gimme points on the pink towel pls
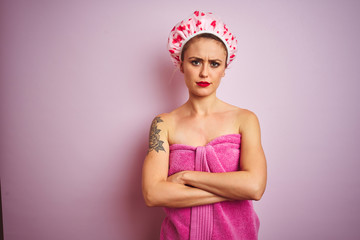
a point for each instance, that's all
(225, 220)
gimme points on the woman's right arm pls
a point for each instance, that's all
(157, 191)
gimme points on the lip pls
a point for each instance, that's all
(203, 84)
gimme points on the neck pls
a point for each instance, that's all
(202, 106)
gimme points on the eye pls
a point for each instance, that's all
(214, 64)
(195, 62)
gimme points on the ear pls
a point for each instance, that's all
(181, 67)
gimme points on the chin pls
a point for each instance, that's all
(202, 93)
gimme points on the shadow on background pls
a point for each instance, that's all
(170, 93)
(147, 219)
(171, 87)
(1, 220)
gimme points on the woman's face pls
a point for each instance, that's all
(203, 66)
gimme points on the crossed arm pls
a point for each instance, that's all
(193, 188)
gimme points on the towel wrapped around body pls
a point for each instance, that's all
(224, 220)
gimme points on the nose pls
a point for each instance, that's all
(204, 72)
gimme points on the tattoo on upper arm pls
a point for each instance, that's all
(154, 139)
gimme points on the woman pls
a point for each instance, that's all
(196, 167)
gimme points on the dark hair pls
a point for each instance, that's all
(203, 35)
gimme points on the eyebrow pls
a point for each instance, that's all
(197, 58)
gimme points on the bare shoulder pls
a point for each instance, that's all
(174, 116)
(247, 119)
(161, 118)
(246, 114)
(241, 114)
(168, 118)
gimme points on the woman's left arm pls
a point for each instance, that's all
(247, 184)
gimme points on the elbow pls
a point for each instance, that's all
(148, 202)
(149, 199)
(154, 194)
(257, 192)
(152, 198)
(257, 196)
(251, 192)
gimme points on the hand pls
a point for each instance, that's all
(177, 178)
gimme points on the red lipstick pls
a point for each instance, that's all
(203, 84)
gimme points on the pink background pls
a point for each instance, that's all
(82, 80)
